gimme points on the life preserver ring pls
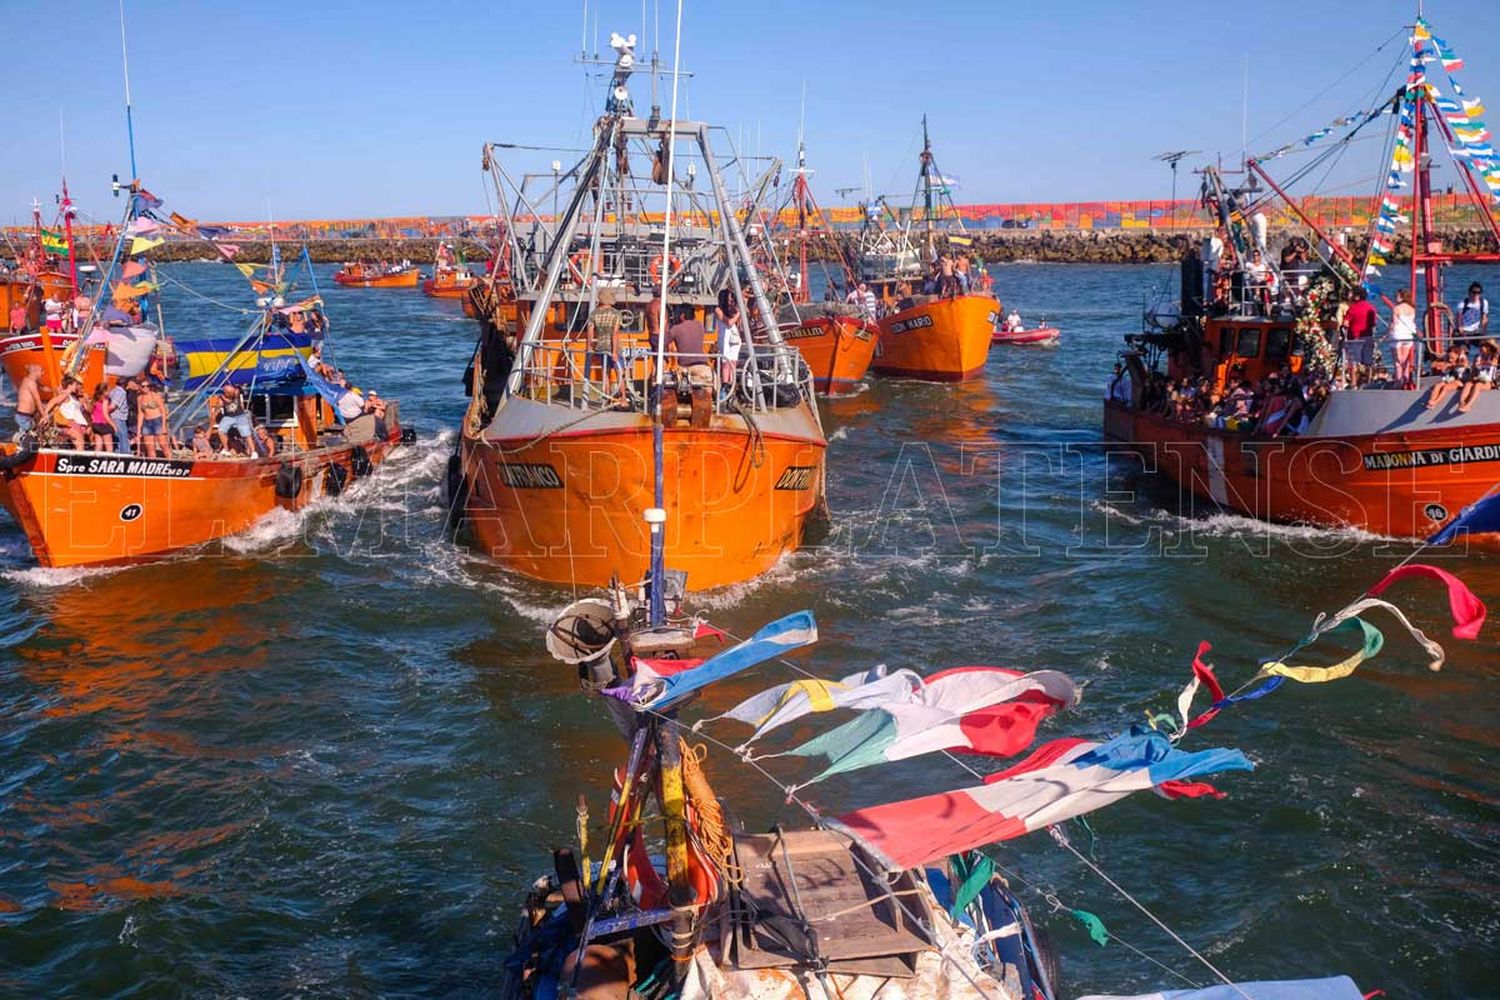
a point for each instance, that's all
(674, 268)
(642, 880)
(649, 889)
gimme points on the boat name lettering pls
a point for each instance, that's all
(797, 477)
(71, 465)
(1456, 455)
(530, 476)
(915, 323)
(803, 332)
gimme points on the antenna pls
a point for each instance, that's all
(1244, 109)
(1171, 159)
(802, 130)
(129, 118)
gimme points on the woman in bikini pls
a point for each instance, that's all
(151, 422)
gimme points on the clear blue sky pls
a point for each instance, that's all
(340, 109)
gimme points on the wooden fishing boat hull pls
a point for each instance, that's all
(400, 279)
(940, 340)
(98, 509)
(440, 288)
(568, 509)
(1405, 484)
(1042, 335)
(838, 349)
(18, 350)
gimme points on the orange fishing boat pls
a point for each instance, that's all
(177, 489)
(1299, 434)
(937, 323)
(937, 339)
(451, 278)
(365, 275)
(31, 336)
(836, 339)
(569, 466)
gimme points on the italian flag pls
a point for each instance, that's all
(1061, 780)
(982, 710)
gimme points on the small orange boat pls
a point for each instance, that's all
(1241, 398)
(837, 343)
(364, 275)
(568, 468)
(837, 340)
(937, 339)
(449, 283)
(34, 344)
(451, 278)
(941, 337)
(25, 292)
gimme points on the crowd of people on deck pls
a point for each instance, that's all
(1284, 402)
(129, 417)
(686, 343)
(949, 276)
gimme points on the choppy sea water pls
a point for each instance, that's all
(327, 758)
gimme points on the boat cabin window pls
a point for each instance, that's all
(1248, 345)
(1278, 345)
(275, 410)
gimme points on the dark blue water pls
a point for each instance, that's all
(327, 759)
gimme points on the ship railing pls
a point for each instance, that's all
(1424, 352)
(568, 373)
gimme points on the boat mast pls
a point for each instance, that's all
(799, 191)
(129, 117)
(927, 188)
(656, 517)
(67, 208)
(1423, 241)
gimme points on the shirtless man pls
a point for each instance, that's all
(28, 399)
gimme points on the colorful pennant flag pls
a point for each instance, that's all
(1372, 638)
(132, 269)
(1467, 610)
(648, 690)
(1061, 780)
(141, 244)
(981, 710)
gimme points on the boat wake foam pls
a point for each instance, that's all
(1226, 525)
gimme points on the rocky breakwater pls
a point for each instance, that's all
(1060, 246)
(1135, 246)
